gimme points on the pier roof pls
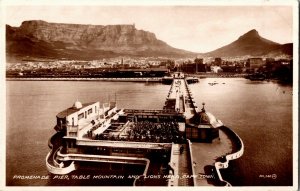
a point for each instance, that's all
(72, 110)
(205, 119)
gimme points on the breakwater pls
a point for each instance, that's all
(217, 75)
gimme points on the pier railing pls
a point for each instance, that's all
(58, 170)
(192, 161)
(123, 144)
(108, 159)
(173, 180)
(190, 95)
(152, 111)
(232, 156)
(145, 170)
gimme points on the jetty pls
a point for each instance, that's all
(192, 145)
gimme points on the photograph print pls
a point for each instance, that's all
(168, 95)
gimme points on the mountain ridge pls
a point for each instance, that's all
(251, 43)
(93, 41)
(41, 39)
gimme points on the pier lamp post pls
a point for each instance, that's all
(203, 109)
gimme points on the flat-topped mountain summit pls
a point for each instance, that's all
(40, 38)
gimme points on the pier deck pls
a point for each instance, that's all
(185, 169)
(206, 154)
(132, 136)
(182, 166)
(184, 102)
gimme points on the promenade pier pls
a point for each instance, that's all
(202, 160)
(188, 141)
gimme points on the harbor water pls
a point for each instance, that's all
(259, 112)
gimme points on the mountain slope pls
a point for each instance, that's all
(251, 43)
(76, 41)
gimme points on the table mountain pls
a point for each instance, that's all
(76, 41)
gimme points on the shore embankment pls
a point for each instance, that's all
(88, 79)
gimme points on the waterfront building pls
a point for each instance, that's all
(216, 69)
(253, 64)
(76, 115)
(218, 61)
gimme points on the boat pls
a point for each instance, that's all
(167, 80)
(191, 80)
(212, 83)
(256, 77)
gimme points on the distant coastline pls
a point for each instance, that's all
(149, 79)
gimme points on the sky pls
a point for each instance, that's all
(194, 28)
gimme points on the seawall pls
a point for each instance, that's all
(89, 79)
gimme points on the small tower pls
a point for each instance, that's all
(77, 105)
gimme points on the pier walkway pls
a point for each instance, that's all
(180, 98)
(182, 174)
(181, 101)
(200, 171)
(185, 169)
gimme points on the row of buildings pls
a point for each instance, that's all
(123, 62)
(250, 65)
(198, 65)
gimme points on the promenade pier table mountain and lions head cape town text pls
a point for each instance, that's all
(110, 98)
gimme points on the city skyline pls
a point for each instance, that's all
(194, 28)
